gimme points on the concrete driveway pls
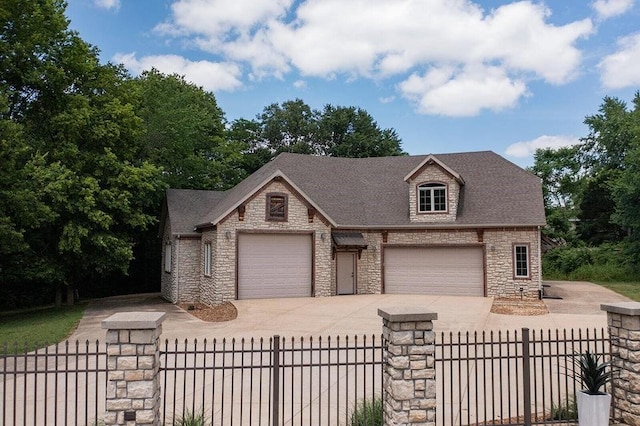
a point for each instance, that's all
(355, 315)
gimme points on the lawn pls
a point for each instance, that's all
(630, 289)
(37, 327)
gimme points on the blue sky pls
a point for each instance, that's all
(448, 75)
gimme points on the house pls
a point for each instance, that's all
(445, 224)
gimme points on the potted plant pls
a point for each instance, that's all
(593, 404)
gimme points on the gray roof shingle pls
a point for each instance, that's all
(371, 192)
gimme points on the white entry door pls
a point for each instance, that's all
(346, 273)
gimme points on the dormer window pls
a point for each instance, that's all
(432, 198)
(277, 207)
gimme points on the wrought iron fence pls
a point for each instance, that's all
(270, 382)
(60, 384)
(509, 378)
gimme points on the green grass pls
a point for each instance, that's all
(631, 289)
(31, 327)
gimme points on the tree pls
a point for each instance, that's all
(185, 134)
(294, 127)
(352, 132)
(78, 146)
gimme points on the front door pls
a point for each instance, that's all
(346, 273)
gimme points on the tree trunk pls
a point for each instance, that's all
(58, 300)
(70, 296)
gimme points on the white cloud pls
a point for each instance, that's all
(610, 8)
(622, 68)
(452, 92)
(387, 99)
(379, 39)
(528, 148)
(212, 76)
(300, 84)
(108, 4)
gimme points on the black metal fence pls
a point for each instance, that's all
(511, 378)
(270, 382)
(61, 384)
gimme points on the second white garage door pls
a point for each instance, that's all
(455, 271)
(274, 265)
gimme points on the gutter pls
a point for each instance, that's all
(452, 225)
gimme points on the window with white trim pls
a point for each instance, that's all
(167, 257)
(207, 259)
(432, 197)
(521, 260)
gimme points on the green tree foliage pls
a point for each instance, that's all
(75, 151)
(352, 132)
(185, 134)
(294, 127)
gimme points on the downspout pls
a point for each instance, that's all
(540, 287)
(177, 269)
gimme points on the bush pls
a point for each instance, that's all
(608, 262)
(368, 412)
(565, 410)
(191, 419)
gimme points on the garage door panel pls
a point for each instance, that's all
(274, 265)
(434, 270)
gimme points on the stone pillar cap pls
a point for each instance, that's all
(623, 308)
(406, 313)
(134, 320)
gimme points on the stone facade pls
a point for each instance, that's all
(624, 331)
(223, 279)
(133, 363)
(409, 375)
(434, 174)
(220, 285)
(498, 248)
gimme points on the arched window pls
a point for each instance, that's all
(432, 197)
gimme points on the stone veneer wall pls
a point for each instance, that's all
(498, 248)
(224, 266)
(182, 284)
(434, 173)
(624, 331)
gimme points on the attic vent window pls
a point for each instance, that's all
(432, 198)
(277, 207)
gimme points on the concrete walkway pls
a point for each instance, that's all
(355, 315)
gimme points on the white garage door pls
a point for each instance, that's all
(274, 265)
(434, 270)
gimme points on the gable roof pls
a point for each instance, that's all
(433, 160)
(373, 193)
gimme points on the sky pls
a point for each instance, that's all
(447, 75)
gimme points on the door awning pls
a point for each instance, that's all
(349, 240)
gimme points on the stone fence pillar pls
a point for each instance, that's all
(133, 388)
(409, 378)
(624, 331)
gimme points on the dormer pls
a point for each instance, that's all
(434, 192)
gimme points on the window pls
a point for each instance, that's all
(207, 259)
(277, 207)
(167, 257)
(432, 197)
(521, 260)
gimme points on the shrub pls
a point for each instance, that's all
(191, 419)
(565, 410)
(368, 412)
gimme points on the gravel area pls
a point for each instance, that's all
(223, 312)
(517, 306)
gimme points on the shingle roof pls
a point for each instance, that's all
(371, 192)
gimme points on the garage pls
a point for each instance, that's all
(274, 265)
(457, 271)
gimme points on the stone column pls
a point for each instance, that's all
(409, 377)
(624, 331)
(133, 387)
